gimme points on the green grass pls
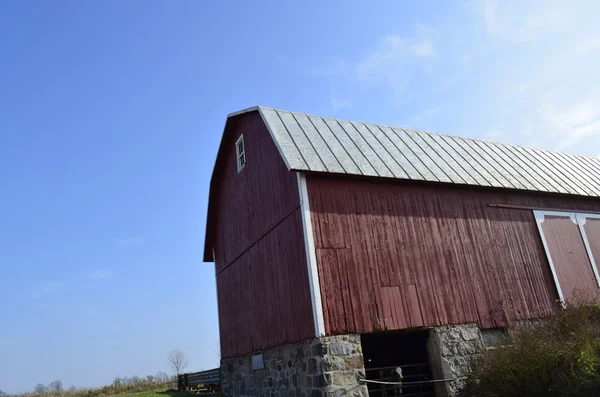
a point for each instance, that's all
(155, 393)
(162, 393)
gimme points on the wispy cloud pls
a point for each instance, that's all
(100, 274)
(576, 122)
(516, 71)
(423, 49)
(124, 242)
(524, 21)
(338, 103)
(394, 61)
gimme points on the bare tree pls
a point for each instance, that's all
(136, 380)
(178, 361)
(40, 388)
(150, 378)
(55, 386)
(72, 389)
(3, 394)
(161, 377)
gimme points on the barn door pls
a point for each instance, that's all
(570, 252)
(590, 230)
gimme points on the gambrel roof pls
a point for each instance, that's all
(321, 144)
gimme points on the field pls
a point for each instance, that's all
(162, 393)
(155, 393)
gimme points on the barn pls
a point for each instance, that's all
(354, 259)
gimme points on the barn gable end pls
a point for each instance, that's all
(255, 228)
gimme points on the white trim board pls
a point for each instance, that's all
(311, 257)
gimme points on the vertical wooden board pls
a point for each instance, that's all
(345, 291)
(416, 316)
(458, 270)
(359, 273)
(355, 288)
(331, 310)
(388, 315)
(475, 274)
(339, 285)
(399, 311)
(517, 277)
(301, 302)
(496, 275)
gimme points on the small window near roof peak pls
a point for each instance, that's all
(240, 152)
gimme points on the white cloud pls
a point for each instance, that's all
(424, 49)
(379, 63)
(516, 71)
(524, 21)
(489, 11)
(128, 241)
(100, 274)
(338, 104)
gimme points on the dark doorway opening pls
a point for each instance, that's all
(397, 357)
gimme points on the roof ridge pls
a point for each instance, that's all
(411, 129)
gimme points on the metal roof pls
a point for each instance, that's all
(321, 144)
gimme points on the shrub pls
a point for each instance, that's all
(559, 356)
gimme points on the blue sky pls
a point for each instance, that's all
(111, 113)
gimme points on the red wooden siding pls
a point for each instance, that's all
(569, 256)
(408, 255)
(260, 259)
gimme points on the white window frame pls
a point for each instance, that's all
(240, 154)
(577, 218)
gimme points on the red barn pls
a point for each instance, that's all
(347, 252)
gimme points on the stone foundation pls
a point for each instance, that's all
(323, 367)
(451, 351)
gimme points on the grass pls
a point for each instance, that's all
(162, 393)
(155, 393)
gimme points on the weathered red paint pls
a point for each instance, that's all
(391, 254)
(408, 255)
(569, 257)
(262, 277)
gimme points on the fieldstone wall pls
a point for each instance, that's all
(323, 367)
(452, 349)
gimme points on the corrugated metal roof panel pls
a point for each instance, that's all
(312, 143)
